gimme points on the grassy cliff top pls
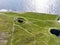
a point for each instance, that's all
(28, 28)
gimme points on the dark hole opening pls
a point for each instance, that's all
(20, 20)
(58, 18)
(55, 32)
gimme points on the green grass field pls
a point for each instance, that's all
(35, 29)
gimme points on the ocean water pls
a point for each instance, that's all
(41, 6)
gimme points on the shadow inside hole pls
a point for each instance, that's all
(55, 32)
(20, 20)
(58, 18)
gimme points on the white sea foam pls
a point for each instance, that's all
(59, 21)
(4, 10)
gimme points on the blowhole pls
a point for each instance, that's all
(55, 32)
(58, 18)
(20, 20)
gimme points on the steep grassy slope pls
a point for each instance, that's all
(34, 30)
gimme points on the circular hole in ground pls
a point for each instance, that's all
(55, 32)
(58, 18)
(20, 20)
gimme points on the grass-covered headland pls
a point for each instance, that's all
(28, 28)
